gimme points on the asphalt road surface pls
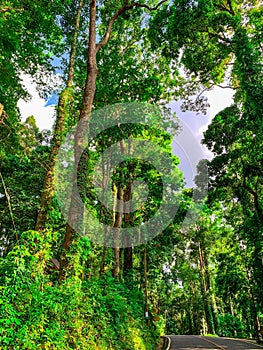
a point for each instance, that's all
(192, 342)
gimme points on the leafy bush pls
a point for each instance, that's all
(230, 326)
(38, 313)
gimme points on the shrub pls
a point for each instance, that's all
(38, 313)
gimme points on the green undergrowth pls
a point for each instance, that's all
(38, 313)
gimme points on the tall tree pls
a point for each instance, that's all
(62, 119)
(88, 97)
(222, 45)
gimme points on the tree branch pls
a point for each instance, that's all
(2, 123)
(227, 87)
(211, 86)
(1, 111)
(137, 4)
(256, 201)
(6, 9)
(231, 7)
(216, 35)
(135, 38)
(204, 90)
(9, 204)
(223, 8)
(123, 9)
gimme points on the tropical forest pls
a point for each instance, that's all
(104, 243)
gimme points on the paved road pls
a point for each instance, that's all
(192, 342)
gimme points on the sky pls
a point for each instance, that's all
(187, 145)
(43, 113)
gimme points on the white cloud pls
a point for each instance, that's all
(36, 106)
(219, 99)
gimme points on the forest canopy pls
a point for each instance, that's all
(102, 244)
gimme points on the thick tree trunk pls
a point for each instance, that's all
(49, 183)
(104, 251)
(64, 99)
(196, 322)
(117, 226)
(253, 309)
(128, 251)
(146, 286)
(230, 303)
(105, 184)
(9, 205)
(119, 218)
(211, 297)
(75, 215)
(128, 261)
(205, 292)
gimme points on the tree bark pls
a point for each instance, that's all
(205, 293)
(65, 98)
(128, 251)
(75, 215)
(253, 308)
(146, 286)
(117, 226)
(118, 218)
(9, 205)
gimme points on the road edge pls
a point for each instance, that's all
(167, 342)
(250, 341)
(240, 339)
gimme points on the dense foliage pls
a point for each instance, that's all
(79, 314)
(59, 289)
